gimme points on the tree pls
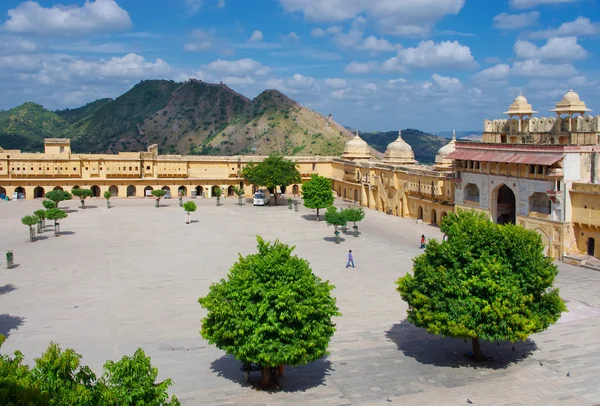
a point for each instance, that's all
(158, 194)
(82, 194)
(59, 378)
(240, 194)
(189, 207)
(317, 193)
(41, 215)
(335, 218)
(30, 221)
(217, 192)
(56, 214)
(271, 310)
(107, 196)
(354, 215)
(273, 171)
(49, 204)
(488, 282)
(58, 196)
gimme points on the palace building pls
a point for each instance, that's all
(541, 173)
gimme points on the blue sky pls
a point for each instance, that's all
(433, 65)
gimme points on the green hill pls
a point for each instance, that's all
(425, 146)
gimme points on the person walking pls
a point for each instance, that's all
(422, 241)
(350, 259)
(445, 237)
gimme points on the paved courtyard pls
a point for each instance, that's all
(130, 277)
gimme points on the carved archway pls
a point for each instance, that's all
(504, 205)
(95, 191)
(131, 191)
(114, 191)
(38, 192)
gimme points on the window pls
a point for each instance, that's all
(540, 170)
(532, 169)
(18, 169)
(86, 168)
(31, 168)
(74, 169)
(314, 167)
(130, 168)
(148, 168)
(47, 168)
(100, 168)
(558, 185)
(136, 168)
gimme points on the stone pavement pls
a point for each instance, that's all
(130, 277)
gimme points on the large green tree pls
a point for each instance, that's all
(317, 193)
(82, 194)
(271, 310)
(272, 172)
(487, 281)
(58, 196)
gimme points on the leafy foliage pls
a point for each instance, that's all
(354, 215)
(159, 193)
(55, 214)
(335, 218)
(107, 195)
(58, 196)
(217, 192)
(82, 194)
(30, 220)
(239, 191)
(271, 310)
(48, 204)
(317, 193)
(272, 172)
(189, 207)
(40, 214)
(58, 378)
(487, 281)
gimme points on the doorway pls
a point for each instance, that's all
(506, 212)
(433, 217)
(131, 191)
(96, 191)
(38, 192)
(420, 213)
(591, 246)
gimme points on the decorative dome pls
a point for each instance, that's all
(520, 107)
(441, 160)
(571, 103)
(399, 152)
(357, 148)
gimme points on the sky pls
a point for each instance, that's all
(376, 65)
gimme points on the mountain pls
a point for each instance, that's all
(193, 118)
(425, 146)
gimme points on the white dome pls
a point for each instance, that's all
(520, 99)
(442, 162)
(520, 107)
(571, 103)
(357, 148)
(571, 96)
(399, 152)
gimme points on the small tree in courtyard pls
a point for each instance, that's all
(58, 196)
(158, 194)
(240, 194)
(354, 215)
(272, 172)
(317, 193)
(271, 310)
(217, 192)
(189, 207)
(41, 215)
(107, 196)
(488, 282)
(82, 194)
(30, 221)
(49, 204)
(335, 218)
(56, 214)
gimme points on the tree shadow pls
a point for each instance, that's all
(7, 288)
(90, 207)
(194, 221)
(351, 232)
(9, 323)
(440, 351)
(67, 233)
(70, 210)
(332, 239)
(312, 217)
(294, 379)
(40, 237)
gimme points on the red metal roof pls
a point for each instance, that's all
(515, 158)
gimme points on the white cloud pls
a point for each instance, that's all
(535, 68)
(399, 17)
(296, 84)
(495, 73)
(534, 3)
(13, 45)
(428, 54)
(292, 36)
(345, 94)
(359, 67)
(335, 83)
(129, 66)
(556, 49)
(493, 59)
(373, 44)
(447, 83)
(317, 32)
(203, 41)
(256, 36)
(370, 87)
(240, 67)
(581, 27)
(93, 17)
(505, 21)
(86, 46)
(238, 81)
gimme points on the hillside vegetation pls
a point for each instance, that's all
(193, 118)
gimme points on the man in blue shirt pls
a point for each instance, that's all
(350, 259)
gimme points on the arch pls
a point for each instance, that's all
(505, 212)
(182, 191)
(58, 188)
(344, 195)
(114, 191)
(295, 190)
(75, 187)
(38, 192)
(230, 191)
(545, 240)
(540, 203)
(21, 194)
(2, 192)
(433, 216)
(148, 190)
(356, 195)
(165, 188)
(282, 189)
(213, 189)
(96, 191)
(420, 213)
(199, 191)
(131, 191)
(591, 246)
(471, 192)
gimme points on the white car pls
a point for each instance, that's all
(261, 198)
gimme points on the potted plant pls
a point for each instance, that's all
(82, 194)
(30, 221)
(56, 214)
(354, 214)
(41, 215)
(189, 207)
(49, 204)
(240, 194)
(290, 202)
(218, 192)
(158, 194)
(107, 196)
(335, 218)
